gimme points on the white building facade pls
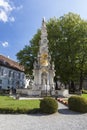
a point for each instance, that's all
(11, 74)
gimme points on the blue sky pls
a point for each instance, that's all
(20, 19)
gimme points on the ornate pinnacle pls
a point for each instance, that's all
(44, 22)
(43, 19)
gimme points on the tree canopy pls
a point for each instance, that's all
(67, 37)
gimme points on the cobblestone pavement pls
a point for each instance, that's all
(64, 119)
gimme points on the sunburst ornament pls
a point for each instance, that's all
(44, 60)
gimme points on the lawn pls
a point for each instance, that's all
(10, 105)
(84, 95)
(65, 100)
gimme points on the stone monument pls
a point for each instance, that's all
(43, 68)
(43, 72)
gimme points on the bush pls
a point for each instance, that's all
(48, 105)
(78, 104)
(84, 91)
(13, 111)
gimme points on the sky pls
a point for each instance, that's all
(20, 20)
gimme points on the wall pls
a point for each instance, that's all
(10, 78)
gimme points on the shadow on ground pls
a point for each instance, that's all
(66, 111)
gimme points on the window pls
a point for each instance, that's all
(0, 81)
(12, 82)
(8, 87)
(13, 74)
(10, 73)
(22, 76)
(19, 75)
(8, 81)
(1, 71)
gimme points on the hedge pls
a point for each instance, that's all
(48, 105)
(78, 103)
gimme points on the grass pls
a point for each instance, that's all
(65, 100)
(84, 95)
(10, 105)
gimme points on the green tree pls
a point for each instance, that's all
(67, 37)
(27, 56)
(68, 46)
(81, 56)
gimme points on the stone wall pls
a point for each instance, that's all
(28, 92)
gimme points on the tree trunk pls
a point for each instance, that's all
(81, 81)
(71, 87)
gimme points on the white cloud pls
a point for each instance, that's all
(12, 19)
(5, 5)
(5, 44)
(3, 16)
(6, 8)
(19, 7)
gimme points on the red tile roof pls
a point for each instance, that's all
(5, 61)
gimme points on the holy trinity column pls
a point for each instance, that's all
(43, 68)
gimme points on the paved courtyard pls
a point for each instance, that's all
(63, 120)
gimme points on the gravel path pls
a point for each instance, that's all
(63, 120)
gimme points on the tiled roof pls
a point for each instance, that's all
(5, 61)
